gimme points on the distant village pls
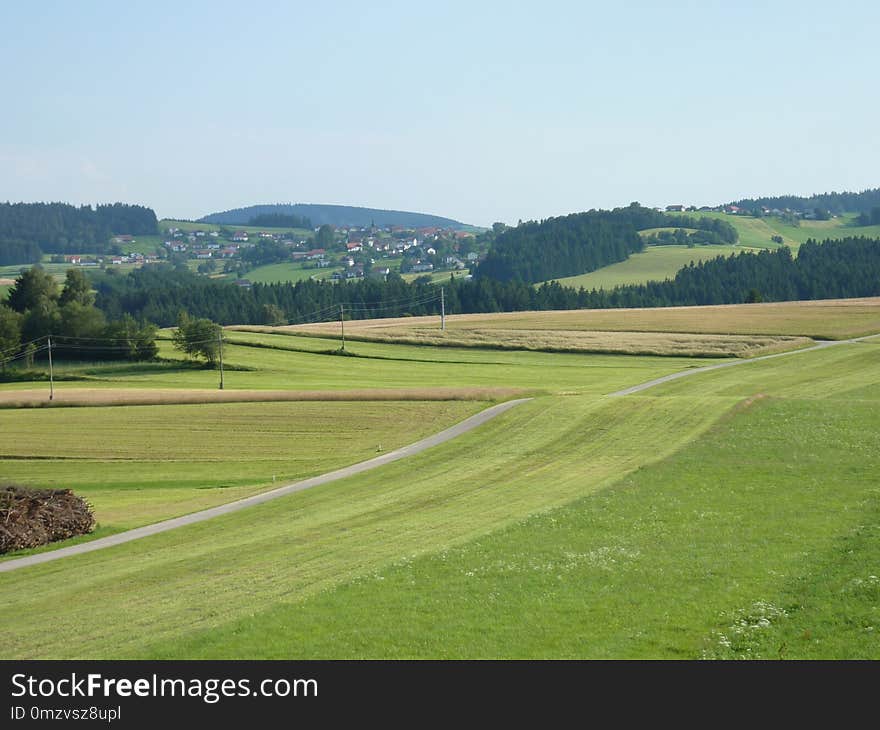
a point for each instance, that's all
(351, 253)
(342, 253)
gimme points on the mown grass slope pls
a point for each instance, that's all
(141, 464)
(655, 263)
(272, 273)
(756, 541)
(573, 525)
(542, 454)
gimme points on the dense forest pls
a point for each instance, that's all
(869, 218)
(279, 220)
(29, 230)
(833, 269)
(341, 216)
(835, 203)
(582, 242)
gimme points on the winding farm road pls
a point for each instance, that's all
(685, 373)
(426, 443)
(224, 509)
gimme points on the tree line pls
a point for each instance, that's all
(870, 218)
(553, 248)
(848, 267)
(120, 322)
(29, 230)
(836, 203)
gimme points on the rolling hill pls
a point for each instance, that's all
(335, 215)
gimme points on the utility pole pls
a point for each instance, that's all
(442, 309)
(342, 324)
(51, 376)
(220, 342)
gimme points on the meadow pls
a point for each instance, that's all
(655, 263)
(759, 232)
(723, 550)
(281, 362)
(725, 514)
(293, 272)
(142, 464)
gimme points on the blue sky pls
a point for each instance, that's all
(480, 111)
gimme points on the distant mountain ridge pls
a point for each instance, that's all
(343, 216)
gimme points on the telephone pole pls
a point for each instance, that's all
(220, 342)
(51, 376)
(342, 324)
(442, 309)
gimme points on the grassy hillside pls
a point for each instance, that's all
(336, 215)
(293, 548)
(141, 464)
(725, 514)
(758, 232)
(720, 550)
(524, 523)
(655, 263)
(292, 272)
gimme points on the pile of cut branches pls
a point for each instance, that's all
(33, 517)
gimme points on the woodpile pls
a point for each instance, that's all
(33, 517)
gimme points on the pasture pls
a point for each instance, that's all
(655, 263)
(292, 272)
(725, 514)
(722, 550)
(758, 232)
(142, 464)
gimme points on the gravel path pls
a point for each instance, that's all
(225, 509)
(685, 373)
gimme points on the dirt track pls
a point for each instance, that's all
(685, 373)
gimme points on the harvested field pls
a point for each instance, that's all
(833, 319)
(37, 398)
(6, 282)
(600, 342)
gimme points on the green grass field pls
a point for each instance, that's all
(141, 464)
(728, 514)
(719, 551)
(758, 232)
(292, 272)
(522, 523)
(655, 263)
(143, 244)
(820, 230)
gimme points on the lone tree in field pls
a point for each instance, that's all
(197, 337)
